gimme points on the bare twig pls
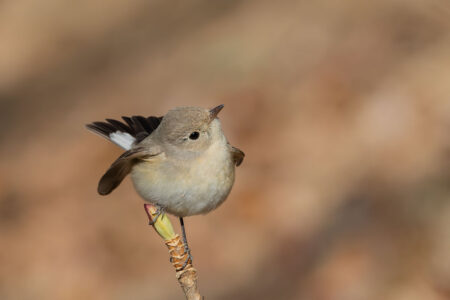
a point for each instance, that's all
(186, 274)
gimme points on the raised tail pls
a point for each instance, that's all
(125, 134)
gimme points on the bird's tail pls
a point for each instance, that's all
(125, 134)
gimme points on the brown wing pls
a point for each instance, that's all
(121, 167)
(237, 155)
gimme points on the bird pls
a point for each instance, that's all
(180, 162)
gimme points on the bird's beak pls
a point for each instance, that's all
(215, 111)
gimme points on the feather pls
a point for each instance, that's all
(121, 167)
(125, 135)
(237, 155)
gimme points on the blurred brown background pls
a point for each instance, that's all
(342, 108)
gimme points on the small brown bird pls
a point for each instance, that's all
(182, 162)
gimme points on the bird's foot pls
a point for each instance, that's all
(154, 217)
(188, 254)
(184, 257)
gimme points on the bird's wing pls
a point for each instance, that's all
(122, 166)
(127, 134)
(237, 155)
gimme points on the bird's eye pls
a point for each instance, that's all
(194, 135)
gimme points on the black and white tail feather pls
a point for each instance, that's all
(125, 135)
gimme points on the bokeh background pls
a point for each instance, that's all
(342, 109)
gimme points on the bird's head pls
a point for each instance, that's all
(191, 129)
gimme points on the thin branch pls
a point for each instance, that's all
(187, 275)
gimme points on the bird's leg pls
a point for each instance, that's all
(152, 218)
(186, 247)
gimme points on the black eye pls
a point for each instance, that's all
(194, 135)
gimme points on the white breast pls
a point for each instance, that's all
(187, 188)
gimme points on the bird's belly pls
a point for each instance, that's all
(182, 190)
